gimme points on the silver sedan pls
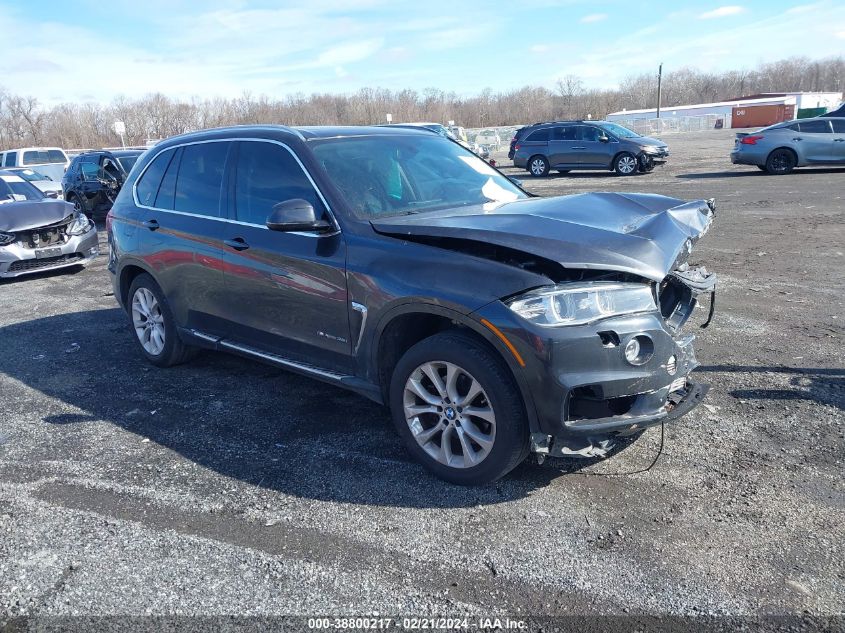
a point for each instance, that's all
(780, 148)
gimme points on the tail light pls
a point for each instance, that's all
(516, 147)
(750, 140)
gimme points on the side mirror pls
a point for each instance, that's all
(604, 139)
(295, 215)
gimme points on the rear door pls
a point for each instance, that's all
(182, 210)
(285, 292)
(561, 146)
(815, 140)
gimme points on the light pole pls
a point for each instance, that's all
(659, 80)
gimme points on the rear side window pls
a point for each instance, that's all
(200, 178)
(56, 156)
(11, 159)
(89, 169)
(814, 127)
(538, 135)
(838, 125)
(43, 156)
(147, 186)
(167, 191)
(564, 133)
(266, 175)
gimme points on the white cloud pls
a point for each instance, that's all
(841, 35)
(593, 17)
(540, 48)
(722, 12)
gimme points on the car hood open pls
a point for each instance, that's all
(642, 234)
(32, 214)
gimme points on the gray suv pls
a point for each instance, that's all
(568, 145)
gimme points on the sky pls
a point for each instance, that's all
(96, 50)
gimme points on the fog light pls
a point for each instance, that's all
(639, 350)
(632, 350)
(672, 365)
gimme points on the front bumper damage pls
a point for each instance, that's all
(23, 257)
(619, 400)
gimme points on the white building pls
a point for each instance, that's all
(755, 108)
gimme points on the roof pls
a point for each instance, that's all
(305, 133)
(716, 104)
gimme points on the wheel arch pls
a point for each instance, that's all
(126, 275)
(405, 325)
(789, 149)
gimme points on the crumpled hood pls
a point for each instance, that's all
(647, 140)
(642, 234)
(31, 214)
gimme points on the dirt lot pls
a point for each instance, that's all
(228, 487)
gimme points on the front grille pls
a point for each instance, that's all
(52, 235)
(47, 262)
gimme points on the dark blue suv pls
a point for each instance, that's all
(398, 264)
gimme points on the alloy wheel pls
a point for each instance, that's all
(449, 414)
(538, 167)
(148, 321)
(627, 164)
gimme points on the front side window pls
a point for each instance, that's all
(127, 162)
(814, 127)
(619, 131)
(11, 159)
(267, 174)
(589, 133)
(200, 179)
(398, 175)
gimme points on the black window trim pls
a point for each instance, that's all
(225, 186)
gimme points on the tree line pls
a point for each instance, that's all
(24, 121)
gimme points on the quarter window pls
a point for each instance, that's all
(538, 135)
(266, 175)
(200, 178)
(148, 184)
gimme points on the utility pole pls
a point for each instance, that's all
(659, 80)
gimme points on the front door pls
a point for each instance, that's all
(838, 139)
(815, 139)
(286, 292)
(595, 153)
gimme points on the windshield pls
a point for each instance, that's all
(30, 175)
(618, 130)
(127, 162)
(383, 176)
(16, 188)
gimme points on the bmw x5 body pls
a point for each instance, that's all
(397, 264)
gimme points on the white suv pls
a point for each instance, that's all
(51, 161)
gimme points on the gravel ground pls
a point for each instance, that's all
(225, 487)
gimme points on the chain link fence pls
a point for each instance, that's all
(670, 125)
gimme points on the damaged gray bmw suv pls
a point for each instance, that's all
(399, 265)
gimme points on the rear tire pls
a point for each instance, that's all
(475, 406)
(538, 166)
(153, 326)
(781, 161)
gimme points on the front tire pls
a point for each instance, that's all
(781, 161)
(153, 326)
(625, 164)
(538, 166)
(456, 406)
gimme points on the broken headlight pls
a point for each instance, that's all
(580, 303)
(6, 238)
(80, 224)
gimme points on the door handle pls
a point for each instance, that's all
(797, 138)
(151, 224)
(237, 243)
(839, 140)
(579, 147)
